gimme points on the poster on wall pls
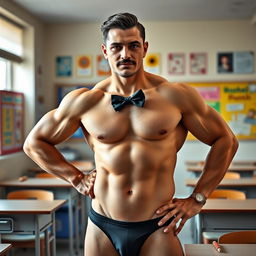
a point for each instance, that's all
(236, 102)
(84, 66)
(63, 66)
(61, 91)
(103, 68)
(176, 63)
(235, 62)
(12, 122)
(152, 63)
(198, 63)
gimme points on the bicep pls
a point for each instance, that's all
(54, 128)
(206, 125)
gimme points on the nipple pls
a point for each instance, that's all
(163, 131)
(100, 137)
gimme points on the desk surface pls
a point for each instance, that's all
(4, 248)
(36, 182)
(237, 168)
(29, 206)
(242, 182)
(234, 162)
(229, 205)
(227, 250)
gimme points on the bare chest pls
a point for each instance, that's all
(155, 121)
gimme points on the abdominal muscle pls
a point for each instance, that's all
(133, 179)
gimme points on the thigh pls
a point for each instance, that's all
(162, 244)
(97, 243)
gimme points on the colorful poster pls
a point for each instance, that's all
(103, 68)
(84, 66)
(235, 101)
(12, 118)
(176, 63)
(152, 63)
(64, 66)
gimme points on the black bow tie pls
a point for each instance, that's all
(137, 99)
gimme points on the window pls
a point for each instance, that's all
(6, 74)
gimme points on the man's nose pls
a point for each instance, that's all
(125, 53)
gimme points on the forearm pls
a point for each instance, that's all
(51, 160)
(217, 163)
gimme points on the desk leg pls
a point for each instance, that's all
(46, 242)
(77, 228)
(198, 227)
(70, 224)
(37, 238)
(54, 235)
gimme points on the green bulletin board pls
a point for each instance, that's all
(235, 101)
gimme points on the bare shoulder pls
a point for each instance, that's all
(79, 101)
(184, 96)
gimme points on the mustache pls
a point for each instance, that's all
(126, 61)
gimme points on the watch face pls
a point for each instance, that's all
(199, 197)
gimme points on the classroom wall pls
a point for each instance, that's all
(27, 81)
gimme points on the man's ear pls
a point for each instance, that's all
(145, 46)
(104, 50)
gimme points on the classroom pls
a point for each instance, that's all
(86, 162)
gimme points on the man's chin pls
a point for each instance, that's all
(126, 74)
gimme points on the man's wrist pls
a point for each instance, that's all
(200, 198)
(77, 179)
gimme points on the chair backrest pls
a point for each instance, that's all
(228, 194)
(232, 175)
(44, 175)
(31, 194)
(239, 237)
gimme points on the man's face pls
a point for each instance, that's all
(125, 51)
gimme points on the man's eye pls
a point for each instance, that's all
(116, 47)
(135, 46)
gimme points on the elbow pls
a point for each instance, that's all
(27, 146)
(233, 143)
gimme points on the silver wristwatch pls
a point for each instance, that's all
(199, 198)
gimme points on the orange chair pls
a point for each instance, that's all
(228, 194)
(209, 237)
(45, 175)
(239, 237)
(27, 241)
(232, 175)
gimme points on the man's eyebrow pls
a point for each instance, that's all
(133, 42)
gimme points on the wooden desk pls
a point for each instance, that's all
(244, 170)
(234, 162)
(227, 250)
(32, 217)
(62, 190)
(225, 215)
(248, 185)
(4, 248)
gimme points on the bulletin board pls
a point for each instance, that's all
(12, 122)
(64, 89)
(236, 102)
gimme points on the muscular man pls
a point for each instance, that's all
(135, 141)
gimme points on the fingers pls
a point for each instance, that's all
(181, 224)
(165, 208)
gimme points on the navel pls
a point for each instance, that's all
(130, 192)
(162, 132)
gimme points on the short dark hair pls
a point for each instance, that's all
(122, 21)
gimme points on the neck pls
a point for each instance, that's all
(129, 85)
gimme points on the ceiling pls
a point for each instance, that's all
(79, 11)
